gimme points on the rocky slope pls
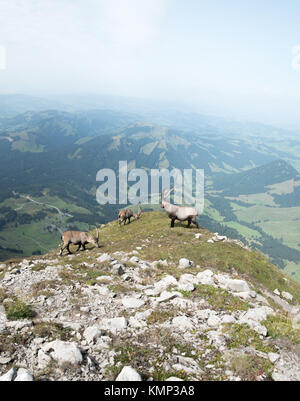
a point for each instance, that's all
(151, 304)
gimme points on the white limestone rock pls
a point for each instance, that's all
(287, 295)
(183, 323)
(184, 263)
(63, 352)
(104, 258)
(91, 334)
(9, 376)
(128, 374)
(23, 376)
(237, 286)
(132, 303)
(114, 324)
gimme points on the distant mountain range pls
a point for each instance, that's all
(252, 182)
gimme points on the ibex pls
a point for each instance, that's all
(181, 213)
(78, 238)
(125, 215)
(137, 215)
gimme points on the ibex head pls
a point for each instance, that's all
(94, 240)
(164, 202)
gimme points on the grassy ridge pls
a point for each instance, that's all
(159, 242)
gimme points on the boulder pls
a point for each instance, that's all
(213, 321)
(43, 359)
(104, 258)
(132, 303)
(206, 277)
(134, 259)
(63, 352)
(91, 334)
(164, 283)
(136, 323)
(183, 323)
(237, 285)
(254, 316)
(287, 367)
(9, 376)
(188, 279)
(228, 319)
(189, 287)
(273, 357)
(128, 374)
(287, 295)
(167, 296)
(114, 324)
(174, 379)
(23, 376)
(184, 263)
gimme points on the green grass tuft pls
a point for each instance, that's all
(18, 310)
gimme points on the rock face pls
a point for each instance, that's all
(114, 316)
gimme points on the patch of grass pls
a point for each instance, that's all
(279, 326)
(119, 288)
(39, 267)
(53, 331)
(44, 287)
(160, 316)
(145, 354)
(160, 374)
(241, 335)
(18, 310)
(81, 274)
(3, 295)
(171, 343)
(10, 343)
(249, 367)
(129, 354)
(217, 298)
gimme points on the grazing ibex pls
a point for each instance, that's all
(125, 215)
(181, 213)
(137, 215)
(78, 238)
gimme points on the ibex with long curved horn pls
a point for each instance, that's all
(78, 238)
(181, 213)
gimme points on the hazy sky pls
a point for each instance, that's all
(223, 56)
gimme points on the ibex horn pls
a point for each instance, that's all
(171, 190)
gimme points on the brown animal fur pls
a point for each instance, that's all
(125, 215)
(78, 238)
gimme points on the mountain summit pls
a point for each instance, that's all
(152, 302)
